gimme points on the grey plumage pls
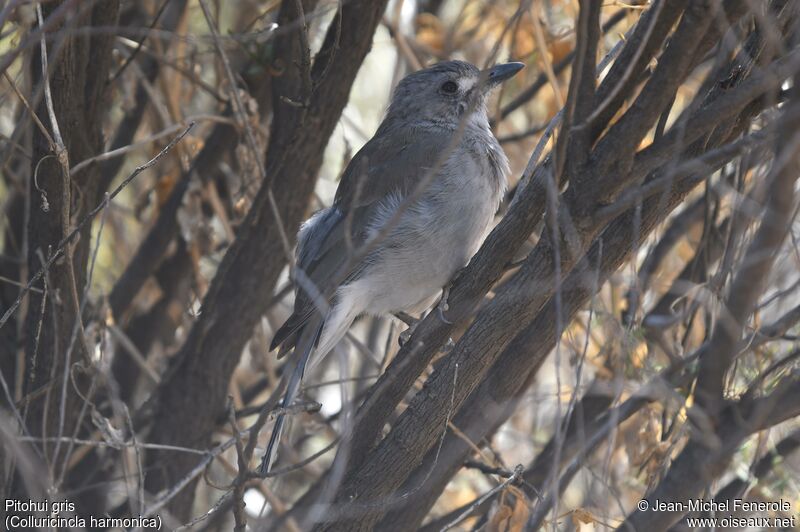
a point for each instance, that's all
(436, 128)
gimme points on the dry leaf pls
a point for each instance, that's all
(581, 516)
(510, 513)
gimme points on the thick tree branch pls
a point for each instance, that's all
(196, 386)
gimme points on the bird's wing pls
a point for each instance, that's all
(393, 162)
(390, 163)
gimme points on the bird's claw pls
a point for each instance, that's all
(412, 323)
(406, 318)
(442, 309)
(443, 306)
(405, 336)
(448, 346)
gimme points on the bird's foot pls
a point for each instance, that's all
(405, 336)
(406, 318)
(448, 346)
(443, 305)
(412, 323)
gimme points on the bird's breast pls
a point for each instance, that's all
(436, 235)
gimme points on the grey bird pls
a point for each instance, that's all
(420, 196)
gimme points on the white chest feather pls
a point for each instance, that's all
(436, 235)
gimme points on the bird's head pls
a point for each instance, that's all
(445, 92)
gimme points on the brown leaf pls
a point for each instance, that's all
(582, 516)
(511, 513)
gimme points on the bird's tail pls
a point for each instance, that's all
(305, 347)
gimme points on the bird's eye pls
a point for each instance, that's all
(449, 87)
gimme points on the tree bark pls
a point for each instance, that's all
(54, 343)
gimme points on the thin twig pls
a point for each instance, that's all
(113, 445)
(170, 130)
(239, 516)
(538, 35)
(190, 476)
(33, 114)
(139, 45)
(48, 97)
(467, 511)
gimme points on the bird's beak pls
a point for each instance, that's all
(499, 73)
